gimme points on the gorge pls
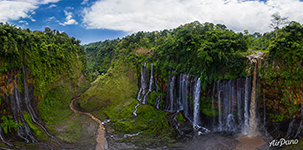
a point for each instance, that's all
(198, 86)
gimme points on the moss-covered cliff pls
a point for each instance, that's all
(219, 57)
(40, 72)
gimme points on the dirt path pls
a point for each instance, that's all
(101, 140)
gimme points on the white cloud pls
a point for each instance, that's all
(147, 15)
(67, 8)
(84, 2)
(52, 5)
(53, 18)
(69, 19)
(14, 10)
(22, 21)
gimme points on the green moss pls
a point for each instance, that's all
(152, 98)
(206, 106)
(8, 124)
(17, 143)
(3, 145)
(77, 128)
(180, 118)
(34, 127)
(149, 120)
(54, 107)
(32, 146)
(110, 96)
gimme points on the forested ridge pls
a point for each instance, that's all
(54, 68)
(40, 71)
(212, 53)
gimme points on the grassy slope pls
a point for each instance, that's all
(54, 110)
(111, 96)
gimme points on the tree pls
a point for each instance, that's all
(277, 21)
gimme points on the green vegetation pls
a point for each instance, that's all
(284, 69)
(53, 108)
(260, 42)
(32, 126)
(286, 52)
(111, 95)
(100, 55)
(49, 54)
(8, 124)
(56, 66)
(201, 50)
(206, 106)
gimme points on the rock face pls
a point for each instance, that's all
(18, 103)
(247, 105)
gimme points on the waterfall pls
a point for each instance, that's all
(171, 92)
(197, 90)
(135, 111)
(170, 95)
(180, 102)
(2, 139)
(184, 96)
(143, 84)
(151, 77)
(289, 128)
(28, 103)
(219, 106)
(225, 107)
(301, 122)
(239, 104)
(213, 103)
(246, 116)
(230, 116)
(15, 100)
(300, 128)
(144, 101)
(252, 120)
(158, 99)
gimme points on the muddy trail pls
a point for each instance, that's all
(101, 140)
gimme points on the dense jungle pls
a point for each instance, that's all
(197, 86)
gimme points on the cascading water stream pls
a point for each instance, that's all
(184, 94)
(289, 128)
(135, 111)
(171, 92)
(252, 120)
(213, 103)
(30, 109)
(177, 124)
(239, 104)
(16, 105)
(143, 84)
(196, 98)
(2, 139)
(230, 116)
(246, 115)
(301, 122)
(144, 101)
(219, 106)
(28, 104)
(157, 102)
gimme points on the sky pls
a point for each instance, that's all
(98, 20)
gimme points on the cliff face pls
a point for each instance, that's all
(250, 105)
(39, 73)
